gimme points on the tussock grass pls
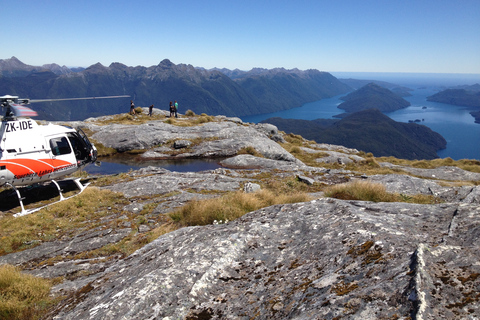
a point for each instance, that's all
(295, 139)
(126, 118)
(250, 150)
(64, 218)
(376, 192)
(22, 296)
(190, 121)
(189, 113)
(289, 186)
(230, 206)
(360, 190)
(465, 164)
(114, 178)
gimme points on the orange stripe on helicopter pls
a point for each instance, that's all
(22, 167)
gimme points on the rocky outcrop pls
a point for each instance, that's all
(214, 139)
(321, 259)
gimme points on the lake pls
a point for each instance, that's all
(454, 123)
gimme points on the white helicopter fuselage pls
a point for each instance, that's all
(32, 153)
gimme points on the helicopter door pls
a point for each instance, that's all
(79, 146)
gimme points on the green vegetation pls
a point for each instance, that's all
(22, 296)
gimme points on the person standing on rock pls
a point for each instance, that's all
(171, 109)
(176, 108)
(150, 110)
(132, 107)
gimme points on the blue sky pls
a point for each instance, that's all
(427, 36)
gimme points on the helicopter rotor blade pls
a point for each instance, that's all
(71, 99)
(22, 111)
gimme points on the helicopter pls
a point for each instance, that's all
(31, 153)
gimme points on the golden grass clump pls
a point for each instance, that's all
(203, 118)
(189, 113)
(230, 206)
(375, 192)
(360, 190)
(250, 150)
(294, 139)
(22, 296)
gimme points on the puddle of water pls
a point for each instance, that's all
(124, 163)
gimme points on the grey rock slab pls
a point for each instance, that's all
(408, 185)
(339, 157)
(163, 181)
(247, 161)
(441, 173)
(221, 138)
(250, 187)
(179, 144)
(332, 147)
(306, 180)
(322, 259)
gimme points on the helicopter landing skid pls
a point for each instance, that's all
(24, 211)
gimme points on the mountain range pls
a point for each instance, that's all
(200, 90)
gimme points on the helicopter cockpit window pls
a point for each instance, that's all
(60, 146)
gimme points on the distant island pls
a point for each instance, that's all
(459, 97)
(372, 96)
(467, 96)
(370, 131)
(476, 115)
(395, 88)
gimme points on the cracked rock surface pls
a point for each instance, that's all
(324, 259)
